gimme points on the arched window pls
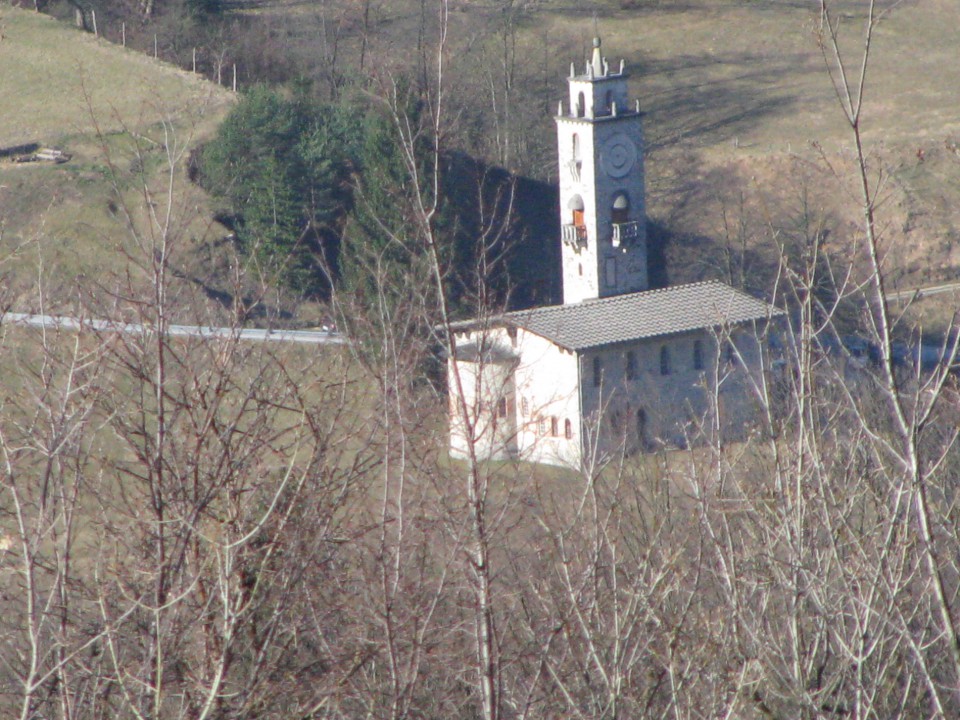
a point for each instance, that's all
(664, 360)
(575, 205)
(581, 105)
(576, 165)
(568, 429)
(697, 355)
(609, 101)
(554, 427)
(630, 365)
(597, 371)
(620, 210)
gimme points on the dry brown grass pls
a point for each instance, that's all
(735, 94)
(113, 110)
(56, 80)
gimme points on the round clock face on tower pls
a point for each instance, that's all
(619, 155)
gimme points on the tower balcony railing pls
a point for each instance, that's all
(625, 233)
(574, 235)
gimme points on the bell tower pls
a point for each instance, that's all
(602, 207)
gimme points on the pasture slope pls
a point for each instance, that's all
(116, 112)
(746, 138)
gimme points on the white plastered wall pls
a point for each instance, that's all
(547, 387)
(488, 385)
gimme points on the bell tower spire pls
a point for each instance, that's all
(602, 204)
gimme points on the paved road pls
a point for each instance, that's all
(310, 337)
(924, 292)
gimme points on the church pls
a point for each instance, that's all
(618, 367)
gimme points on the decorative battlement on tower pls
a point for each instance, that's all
(602, 204)
(598, 93)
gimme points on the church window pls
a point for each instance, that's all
(610, 274)
(581, 105)
(554, 426)
(729, 353)
(568, 429)
(541, 426)
(576, 163)
(664, 360)
(642, 426)
(697, 355)
(576, 207)
(630, 369)
(597, 371)
(580, 269)
(609, 101)
(620, 209)
(524, 407)
(502, 408)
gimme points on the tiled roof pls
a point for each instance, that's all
(622, 318)
(471, 352)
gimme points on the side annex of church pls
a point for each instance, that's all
(617, 366)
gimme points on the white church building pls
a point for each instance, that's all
(617, 367)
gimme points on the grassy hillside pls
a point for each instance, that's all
(748, 137)
(117, 113)
(747, 141)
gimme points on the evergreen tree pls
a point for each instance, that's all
(278, 163)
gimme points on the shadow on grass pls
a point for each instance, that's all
(701, 107)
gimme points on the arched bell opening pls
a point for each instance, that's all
(620, 211)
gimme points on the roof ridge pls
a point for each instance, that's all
(624, 296)
(562, 308)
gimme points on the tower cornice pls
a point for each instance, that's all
(601, 118)
(599, 78)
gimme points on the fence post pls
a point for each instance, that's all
(123, 33)
(234, 77)
(93, 14)
(154, 46)
(194, 60)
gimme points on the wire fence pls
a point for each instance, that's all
(202, 61)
